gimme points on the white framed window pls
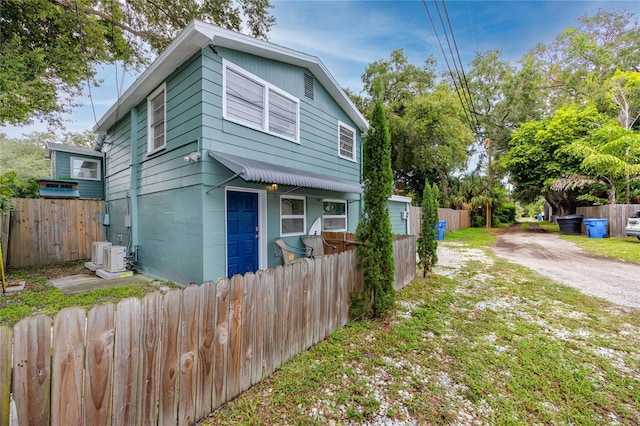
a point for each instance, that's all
(334, 215)
(85, 168)
(156, 119)
(292, 215)
(253, 102)
(346, 142)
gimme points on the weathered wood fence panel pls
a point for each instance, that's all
(617, 215)
(171, 359)
(6, 335)
(43, 231)
(456, 219)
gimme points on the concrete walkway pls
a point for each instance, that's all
(79, 283)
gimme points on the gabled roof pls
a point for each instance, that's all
(199, 34)
(52, 146)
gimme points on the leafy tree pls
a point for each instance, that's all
(582, 58)
(49, 48)
(538, 156)
(374, 229)
(610, 155)
(25, 156)
(436, 139)
(625, 94)
(427, 241)
(502, 97)
(402, 83)
(14, 186)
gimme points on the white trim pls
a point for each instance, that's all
(92, 160)
(267, 88)
(400, 198)
(304, 215)
(150, 148)
(355, 142)
(262, 224)
(345, 216)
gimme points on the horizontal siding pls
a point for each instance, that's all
(318, 148)
(118, 159)
(398, 225)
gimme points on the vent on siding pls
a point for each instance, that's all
(308, 86)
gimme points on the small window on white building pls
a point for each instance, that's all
(156, 118)
(84, 168)
(346, 142)
(334, 215)
(253, 102)
(292, 215)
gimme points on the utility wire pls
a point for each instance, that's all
(459, 80)
(465, 84)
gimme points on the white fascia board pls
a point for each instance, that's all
(400, 198)
(196, 36)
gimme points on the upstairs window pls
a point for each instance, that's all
(253, 102)
(84, 168)
(346, 142)
(156, 117)
(292, 215)
(334, 215)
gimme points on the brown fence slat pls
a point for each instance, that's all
(316, 298)
(307, 307)
(258, 336)
(246, 332)
(126, 361)
(6, 348)
(188, 356)
(235, 337)
(170, 357)
(67, 367)
(280, 316)
(32, 370)
(269, 336)
(99, 364)
(149, 358)
(206, 319)
(223, 287)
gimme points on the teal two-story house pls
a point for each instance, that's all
(223, 145)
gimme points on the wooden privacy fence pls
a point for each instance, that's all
(456, 219)
(43, 231)
(617, 215)
(174, 358)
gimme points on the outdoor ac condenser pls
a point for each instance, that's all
(113, 258)
(97, 251)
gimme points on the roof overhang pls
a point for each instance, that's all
(199, 34)
(52, 146)
(260, 171)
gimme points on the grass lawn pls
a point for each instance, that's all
(39, 297)
(480, 342)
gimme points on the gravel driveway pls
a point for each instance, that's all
(565, 263)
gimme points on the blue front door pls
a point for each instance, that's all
(242, 232)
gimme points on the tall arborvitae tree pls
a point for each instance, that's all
(374, 229)
(427, 243)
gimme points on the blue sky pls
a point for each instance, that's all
(349, 35)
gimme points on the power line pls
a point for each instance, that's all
(465, 97)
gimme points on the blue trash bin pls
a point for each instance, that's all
(596, 228)
(442, 224)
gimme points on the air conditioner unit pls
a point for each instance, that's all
(97, 251)
(404, 214)
(113, 258)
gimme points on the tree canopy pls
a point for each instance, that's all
(49, 49)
